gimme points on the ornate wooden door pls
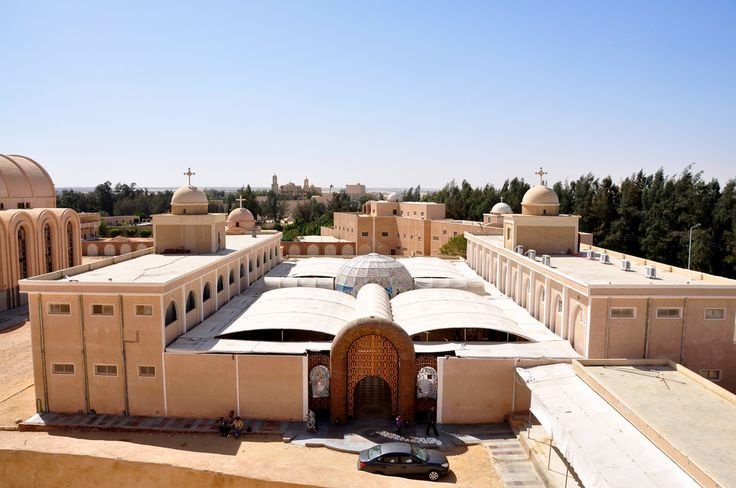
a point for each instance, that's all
(372, 355)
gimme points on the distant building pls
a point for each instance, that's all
(355, 191)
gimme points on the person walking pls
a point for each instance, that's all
(432, 421)
(399, 421)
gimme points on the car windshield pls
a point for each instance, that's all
(374, 451)
(420, 453)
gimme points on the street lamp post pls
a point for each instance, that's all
(690, 245)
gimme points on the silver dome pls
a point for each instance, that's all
(373, 268)
(501, 208)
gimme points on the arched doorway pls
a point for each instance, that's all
(372, 399)
(366, 348)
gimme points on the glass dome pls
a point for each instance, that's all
(373, 268)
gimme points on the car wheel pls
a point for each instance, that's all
(433, 475)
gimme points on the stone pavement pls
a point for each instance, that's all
(14, 316)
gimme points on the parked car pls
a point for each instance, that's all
(401, 458)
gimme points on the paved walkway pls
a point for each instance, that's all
(512, 463)
(14, 316)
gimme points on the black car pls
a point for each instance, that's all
(403, 459)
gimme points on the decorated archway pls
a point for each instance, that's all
(372, 347)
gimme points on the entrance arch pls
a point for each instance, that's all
(372, 398)
(372, 347)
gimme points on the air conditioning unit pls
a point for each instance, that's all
(520, 249)
(532, 254)
(604, 259)
(625, 265)
(650, 272)
(589, 254)
(546, 260)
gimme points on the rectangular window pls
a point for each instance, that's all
(106, 370)
(62, 368)
(435, 238)
(715, 313)
(444, 232)
(419, 253)
(147, 371)
(419, 238)
(669, 313)
(364, 234)
(711, 374)
(454, 234)
(59, 309)
(422, 214)
(508, 233)
(384, 234)
(102, 309)
(144, 309)
(623, 313)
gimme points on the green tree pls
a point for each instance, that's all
(456, 246)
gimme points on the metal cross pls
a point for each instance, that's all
(189, 174)
(541, 174)
(240, 200)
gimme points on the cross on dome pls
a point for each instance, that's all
(189, 175)
(541, 174)
(240, 200)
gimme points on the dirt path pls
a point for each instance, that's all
(16, 375)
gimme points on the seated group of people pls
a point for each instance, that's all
(231, 425)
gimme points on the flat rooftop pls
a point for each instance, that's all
(163, 268)
(668, 399)
(593, 272)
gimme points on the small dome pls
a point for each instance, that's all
(373, 268)
(240, 218)
(189, 195)
(188, 200)
(392, 197)
(501, 208)
(540, 200)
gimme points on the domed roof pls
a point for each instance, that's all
(373, 268)
(189, 195)
(22, 177)
(241, 215)
(540, 195)
(392, 197)
(501, 208)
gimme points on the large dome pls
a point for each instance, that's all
(373, 268)
(501, 208)
(22, 177)
(540, 200)
(189, 200)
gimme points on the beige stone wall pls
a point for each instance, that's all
(547, 240)
(200, 385)
(475, 390)
(272, 387)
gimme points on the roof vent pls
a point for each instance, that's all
(604, 259)
(625, 265)
(520, 249)
(650, 272)
(546, 260)
(532, 254)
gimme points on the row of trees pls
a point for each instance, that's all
(648, 215)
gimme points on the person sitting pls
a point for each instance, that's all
(237, 427)
(224, 427)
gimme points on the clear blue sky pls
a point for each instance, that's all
(382, 92)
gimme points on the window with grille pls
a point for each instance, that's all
(711, 374)
(59, 309)
(144, 309)
(384, 234)
(62, 368)
(102, 309)
(106, 370)
(669, 313)
(147, 371)
(623, 313)
(715, 313)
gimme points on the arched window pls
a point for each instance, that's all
(264, 257)
(171, 315)
(270, 253)
(70, 243)
(237, 224)
(22, 253)
(220, 284)
(250, 265)
(319, 380)
(207, 292)
(258, 261)
(242, 270)
(47, 250)
(191, 302)
(231, 279)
